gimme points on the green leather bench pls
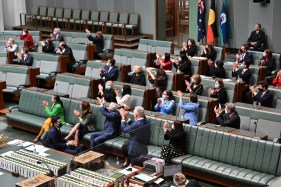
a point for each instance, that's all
(49, 66)
(4, 58)
(156, 46)
(257, 56)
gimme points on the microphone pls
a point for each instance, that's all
(46, 164)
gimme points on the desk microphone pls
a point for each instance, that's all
(46, 164)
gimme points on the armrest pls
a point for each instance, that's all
(81, 62)
(12, 108)
(23, 86)
(201, 123)
(53, 73)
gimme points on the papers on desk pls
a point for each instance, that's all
(126, 172)
(1, 173)
(15, 142)
(38, 148)
(7, 153)
(144, 178)
(227, 80)
(25, 144)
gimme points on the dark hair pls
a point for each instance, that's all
(197, 79)
(246, 46)
(57, 98)
(220, 82)
(169, 94)
(263, 84)
(183, 56)
(259, 25)
(210, 47)
(55, 119)
(126, 90)
(49, 41)
(167, 57)
(25, 49)
(193, 98)
(247, 63)
(269, 53)
(192, 41)
(25, 30)
(219, 63)
(112, 61)
(86, 108)
(160, 72)
(63, 44)
(178, 126)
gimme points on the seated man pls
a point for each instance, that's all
(243, 73)
(230, 117)
(109, 72)
(139, 131)
(107, 93)
(112, 124)
(257, 38)
(63, 49)
(263, 96)
(55, 139)
(243, 54)
(56, 35)
(24, 58)
(98, 41)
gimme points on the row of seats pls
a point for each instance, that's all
(67, 16)
(5, 35)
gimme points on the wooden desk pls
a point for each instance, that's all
(250, 134)
(218, 127)
(2, 86)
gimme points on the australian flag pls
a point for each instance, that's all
(201, 19)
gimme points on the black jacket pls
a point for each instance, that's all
(259, 38)
(246, 76)
(221, 95)
(229, 120)
(139, 80)
(217, 72)
(98, 41)
(264, 100)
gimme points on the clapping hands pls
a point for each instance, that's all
(218, 110)
(101, 101)
(45, 103)
(166, 126)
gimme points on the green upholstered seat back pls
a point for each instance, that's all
(95, 15)
(59, 12)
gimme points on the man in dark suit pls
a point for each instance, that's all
(230, 117)
(243, 73)
(56, 35)
(98, 41)
(262, 97)
(112, 124)
(109, 72)
(63, 49)
(139, 131)
(243, 54)
(56, 141)
(24, 58)
(257, 38)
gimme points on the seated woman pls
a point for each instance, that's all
(138, 76)
(48, 46)
(191, 109)
(28, 39)
(183, 64)
(164, 62)
(277, 80)
(219, 92)
(125, 97)
(159, 80)
(165, 104)
(195, 86)
(177, 144)
(192, 48)
(55, 110)
(86, 123)
(269, 61)
(11, 46)
(211, 54)
(218, 70)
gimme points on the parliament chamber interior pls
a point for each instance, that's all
(140, 93)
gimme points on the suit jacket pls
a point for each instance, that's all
(269, 63)
(248, 57)
(29, 38)
(217, 72)
(58, 37)
(139, 136)
(259, 38)
(139, 80)
(211, 55)
(264, 100)
(27, 61)
(55, 140)
(68, 51)
(192, 51)
(48, 49)
(109, 96)
(112, 121)
(98, 41)
(111, 75)
(229, 121)
(246, 76)
(221, 95)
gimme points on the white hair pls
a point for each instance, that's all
(230, 107)
(112, 106)
(57, 29)
(139, 111)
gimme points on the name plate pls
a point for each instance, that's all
(39, 180)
